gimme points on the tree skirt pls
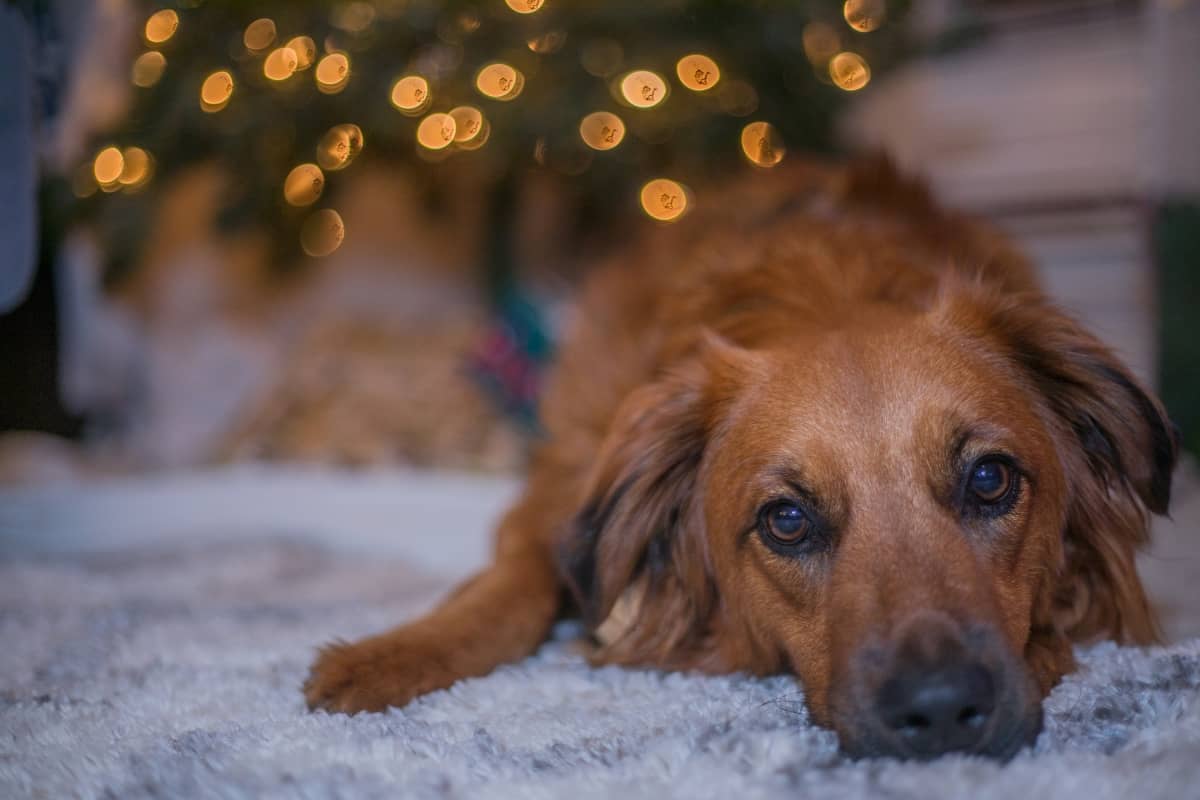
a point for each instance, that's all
(173, 669)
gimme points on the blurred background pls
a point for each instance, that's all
(346, 234)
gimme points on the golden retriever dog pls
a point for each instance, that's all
(832, 430)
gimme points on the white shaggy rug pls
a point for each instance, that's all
(173, 670)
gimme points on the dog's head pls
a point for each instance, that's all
(914, 510)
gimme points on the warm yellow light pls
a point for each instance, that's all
(340, 145)
(259, 35)
(137, 168)
(664, 199)
(602, 130)
(436, 131)
(161, 26)
(410, 95)
(698, 72)
(525, 6)
(762, 144)
(864, 15)
(306, 51)
(107, 166)
(216, 91)
(470, 127)
(281, 64)
(148, 68)
(643, 88)
(333, 73)
(550, 42)
(304, 185)
(499, 81)
(820, 42)
(322, 233)
(849, 71)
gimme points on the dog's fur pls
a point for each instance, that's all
(850, 343)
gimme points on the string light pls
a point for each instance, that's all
(864, 16)
(216, 91)
(436, 131)
(136, 169)
(698, 72)
(332, 73)
(303, 185)
(471, 129)
(107, 166)
(500, 81)
(322, 233)
(340, 145)
(305, 49)
(161, 26)
(411, 95)
(643, 88)
(148, 69)
(259, 35)
(525, 6)
(664, 199)
(602, 130)
(762, 144)
(281, 64)
(849, 71)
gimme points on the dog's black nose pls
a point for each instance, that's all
(944, 709)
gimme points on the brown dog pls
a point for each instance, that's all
(852, 441)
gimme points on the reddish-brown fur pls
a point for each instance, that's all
(842, 332)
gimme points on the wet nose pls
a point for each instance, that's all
(944, 709)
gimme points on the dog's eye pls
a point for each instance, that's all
(990, 480)
(786, 523)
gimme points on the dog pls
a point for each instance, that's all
(833, 430)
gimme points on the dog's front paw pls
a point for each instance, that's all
(372, 675)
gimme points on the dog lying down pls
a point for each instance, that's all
(834, 430)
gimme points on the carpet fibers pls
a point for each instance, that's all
(176, 673)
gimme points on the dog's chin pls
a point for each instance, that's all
(861, 737)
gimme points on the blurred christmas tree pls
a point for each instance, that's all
(630, 101)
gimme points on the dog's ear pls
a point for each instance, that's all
(640, 529)
(1118, 449)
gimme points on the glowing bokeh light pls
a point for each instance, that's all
(340, 145)
(83, 182)
(353, 17)
(602, 57)
(259, 35)
(107, 166)
(525, 6)
(322, 233)
(303, 185)
(216, 91)
(602, 130)
(698, 72)
(470, 127)
(664, 199)
(410, 95)
(821, 41)
(332, 73)
(161, 26)
(849, 71)
(864, 16)
(306, 51)
(737, 98)
(643, 88)
(281, 64)
(436, 131)
(137, 168)
(762, 144)
(499, 81)
(148, 69)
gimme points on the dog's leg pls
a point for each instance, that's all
(500, 615)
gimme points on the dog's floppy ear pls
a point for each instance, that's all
(639, 530)
(1118, 449)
